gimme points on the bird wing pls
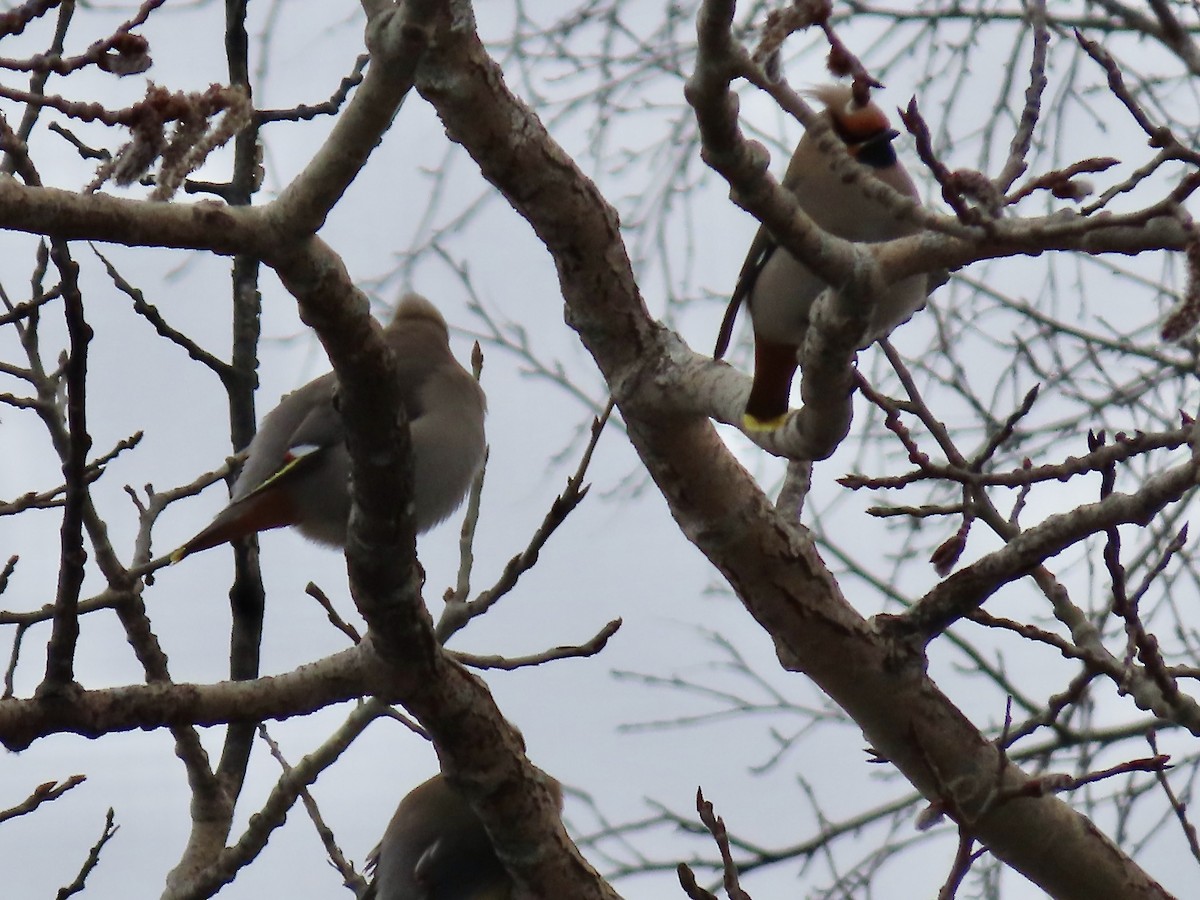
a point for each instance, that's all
(294, 436)
(761, 249)
(370, 872)
(430, 868)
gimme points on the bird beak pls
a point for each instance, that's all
(886, 136)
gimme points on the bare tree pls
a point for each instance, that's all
(978, 559)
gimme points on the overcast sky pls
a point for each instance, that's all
(620, 555)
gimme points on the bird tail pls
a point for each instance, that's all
(760, 251)
(774, 368)
(256, 512)
(726, 332)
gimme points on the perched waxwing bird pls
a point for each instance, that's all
(297, 469)
(435, 848)
(780, 290)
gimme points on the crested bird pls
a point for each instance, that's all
(297, 469)
(436, 848)
(780, 290)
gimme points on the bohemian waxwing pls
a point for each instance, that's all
(780, 290)
(297, 470)
(435, 848)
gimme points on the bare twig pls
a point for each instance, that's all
(458, 613)
(1023, 136)
(93, 858)
(350, 876)
(336, 620)
(1177, 805)
(43, 793)
(581, 651)
(716, 827)
(304, 112)
(150, 313)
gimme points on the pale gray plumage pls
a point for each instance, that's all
(297, 468)
(435, 848)
(780, 290)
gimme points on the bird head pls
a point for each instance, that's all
(863, 126)
(413, 307)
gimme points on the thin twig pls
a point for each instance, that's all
(581, 651)
(93, 858)
(43, 793)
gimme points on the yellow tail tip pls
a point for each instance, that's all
(177, 555)
(754, 423)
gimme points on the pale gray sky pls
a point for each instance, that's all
(618, 556)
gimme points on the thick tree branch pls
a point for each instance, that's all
(395, 42)
(771, 565)
(92, 713)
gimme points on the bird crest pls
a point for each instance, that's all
(854, 123)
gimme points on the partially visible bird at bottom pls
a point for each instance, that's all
(435, 848)
(297, 469)
(780, 290)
